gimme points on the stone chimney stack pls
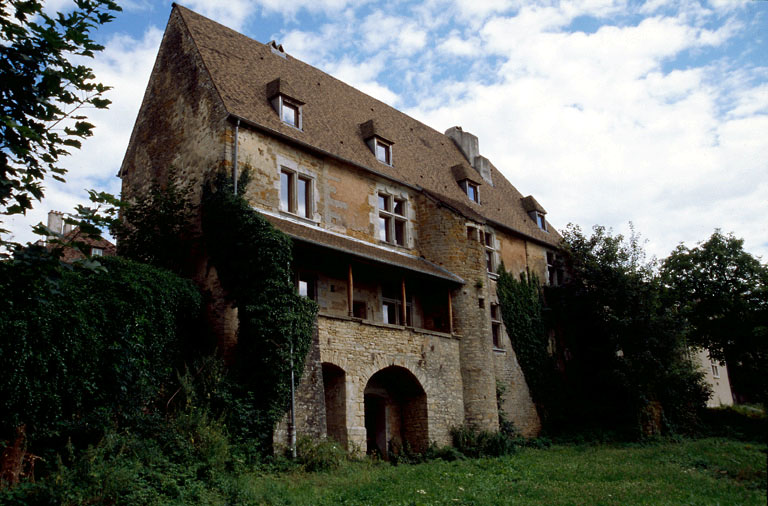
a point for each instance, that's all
(470, 147)
(56, 222)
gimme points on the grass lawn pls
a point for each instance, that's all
(705, 471)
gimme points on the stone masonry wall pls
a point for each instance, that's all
(182, 126)
(361, 349)
(443, 240)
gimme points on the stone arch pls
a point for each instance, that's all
(395, 405)
(335, 389)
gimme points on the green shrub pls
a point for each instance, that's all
(475, 443)
(319, 455)
(97, 348)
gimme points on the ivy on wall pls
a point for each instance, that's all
(253, 260)
(521, 309)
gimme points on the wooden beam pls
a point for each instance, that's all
(350, 291)
(404, 311)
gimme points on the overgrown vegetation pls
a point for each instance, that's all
(253, 260)
(156, 228)
(619, 361)
(96, 349)
(129, 469)
(721, 292)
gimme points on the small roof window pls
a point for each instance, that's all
(285, 102)
(377, 141)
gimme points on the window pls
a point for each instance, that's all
(290, 113)
(538, 217)
(392, 307)
(306, 285)
(471, 189)
(496, 325)
(490, 252)
(383, 151)
(296, 193)
(97, 252)
(554, 273)
(391, 310)
(392, 221)
(715, 369)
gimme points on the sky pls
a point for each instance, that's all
(609, 112)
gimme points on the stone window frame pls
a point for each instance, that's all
(491, 253)
(391, 218)
(295, 174)
(496, 329)
(554, 274)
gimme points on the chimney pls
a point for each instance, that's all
(469, 146)
(55, 221)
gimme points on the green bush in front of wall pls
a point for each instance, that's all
(97, 348)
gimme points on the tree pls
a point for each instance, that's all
(722, 292)
(156, 228)
(43, 90)
(626, 362)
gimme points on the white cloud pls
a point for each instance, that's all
(231, 13)
(124, 64)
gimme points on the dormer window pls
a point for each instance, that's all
(383, 151)
(378, 142)
(535, 211)
(284, 102)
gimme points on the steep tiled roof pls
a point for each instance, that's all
(241, 68)
(336, 242)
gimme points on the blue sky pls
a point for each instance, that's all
(606, 111)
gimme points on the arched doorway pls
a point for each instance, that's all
(334, 384)
(395, 412)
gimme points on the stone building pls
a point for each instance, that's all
(398, 231)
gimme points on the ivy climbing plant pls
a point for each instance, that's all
(275, 325)
(521, 309)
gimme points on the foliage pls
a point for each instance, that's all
(722, 292)
(522, 310)
(742, 422)
(43, 90)
(100, 349)
(252, 260)
(475, 443)
(620, 344)
(155, 228)
(708, 471)
(319, 455)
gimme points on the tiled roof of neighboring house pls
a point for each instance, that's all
(332, 115)
(70, 253)
(337, 242)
